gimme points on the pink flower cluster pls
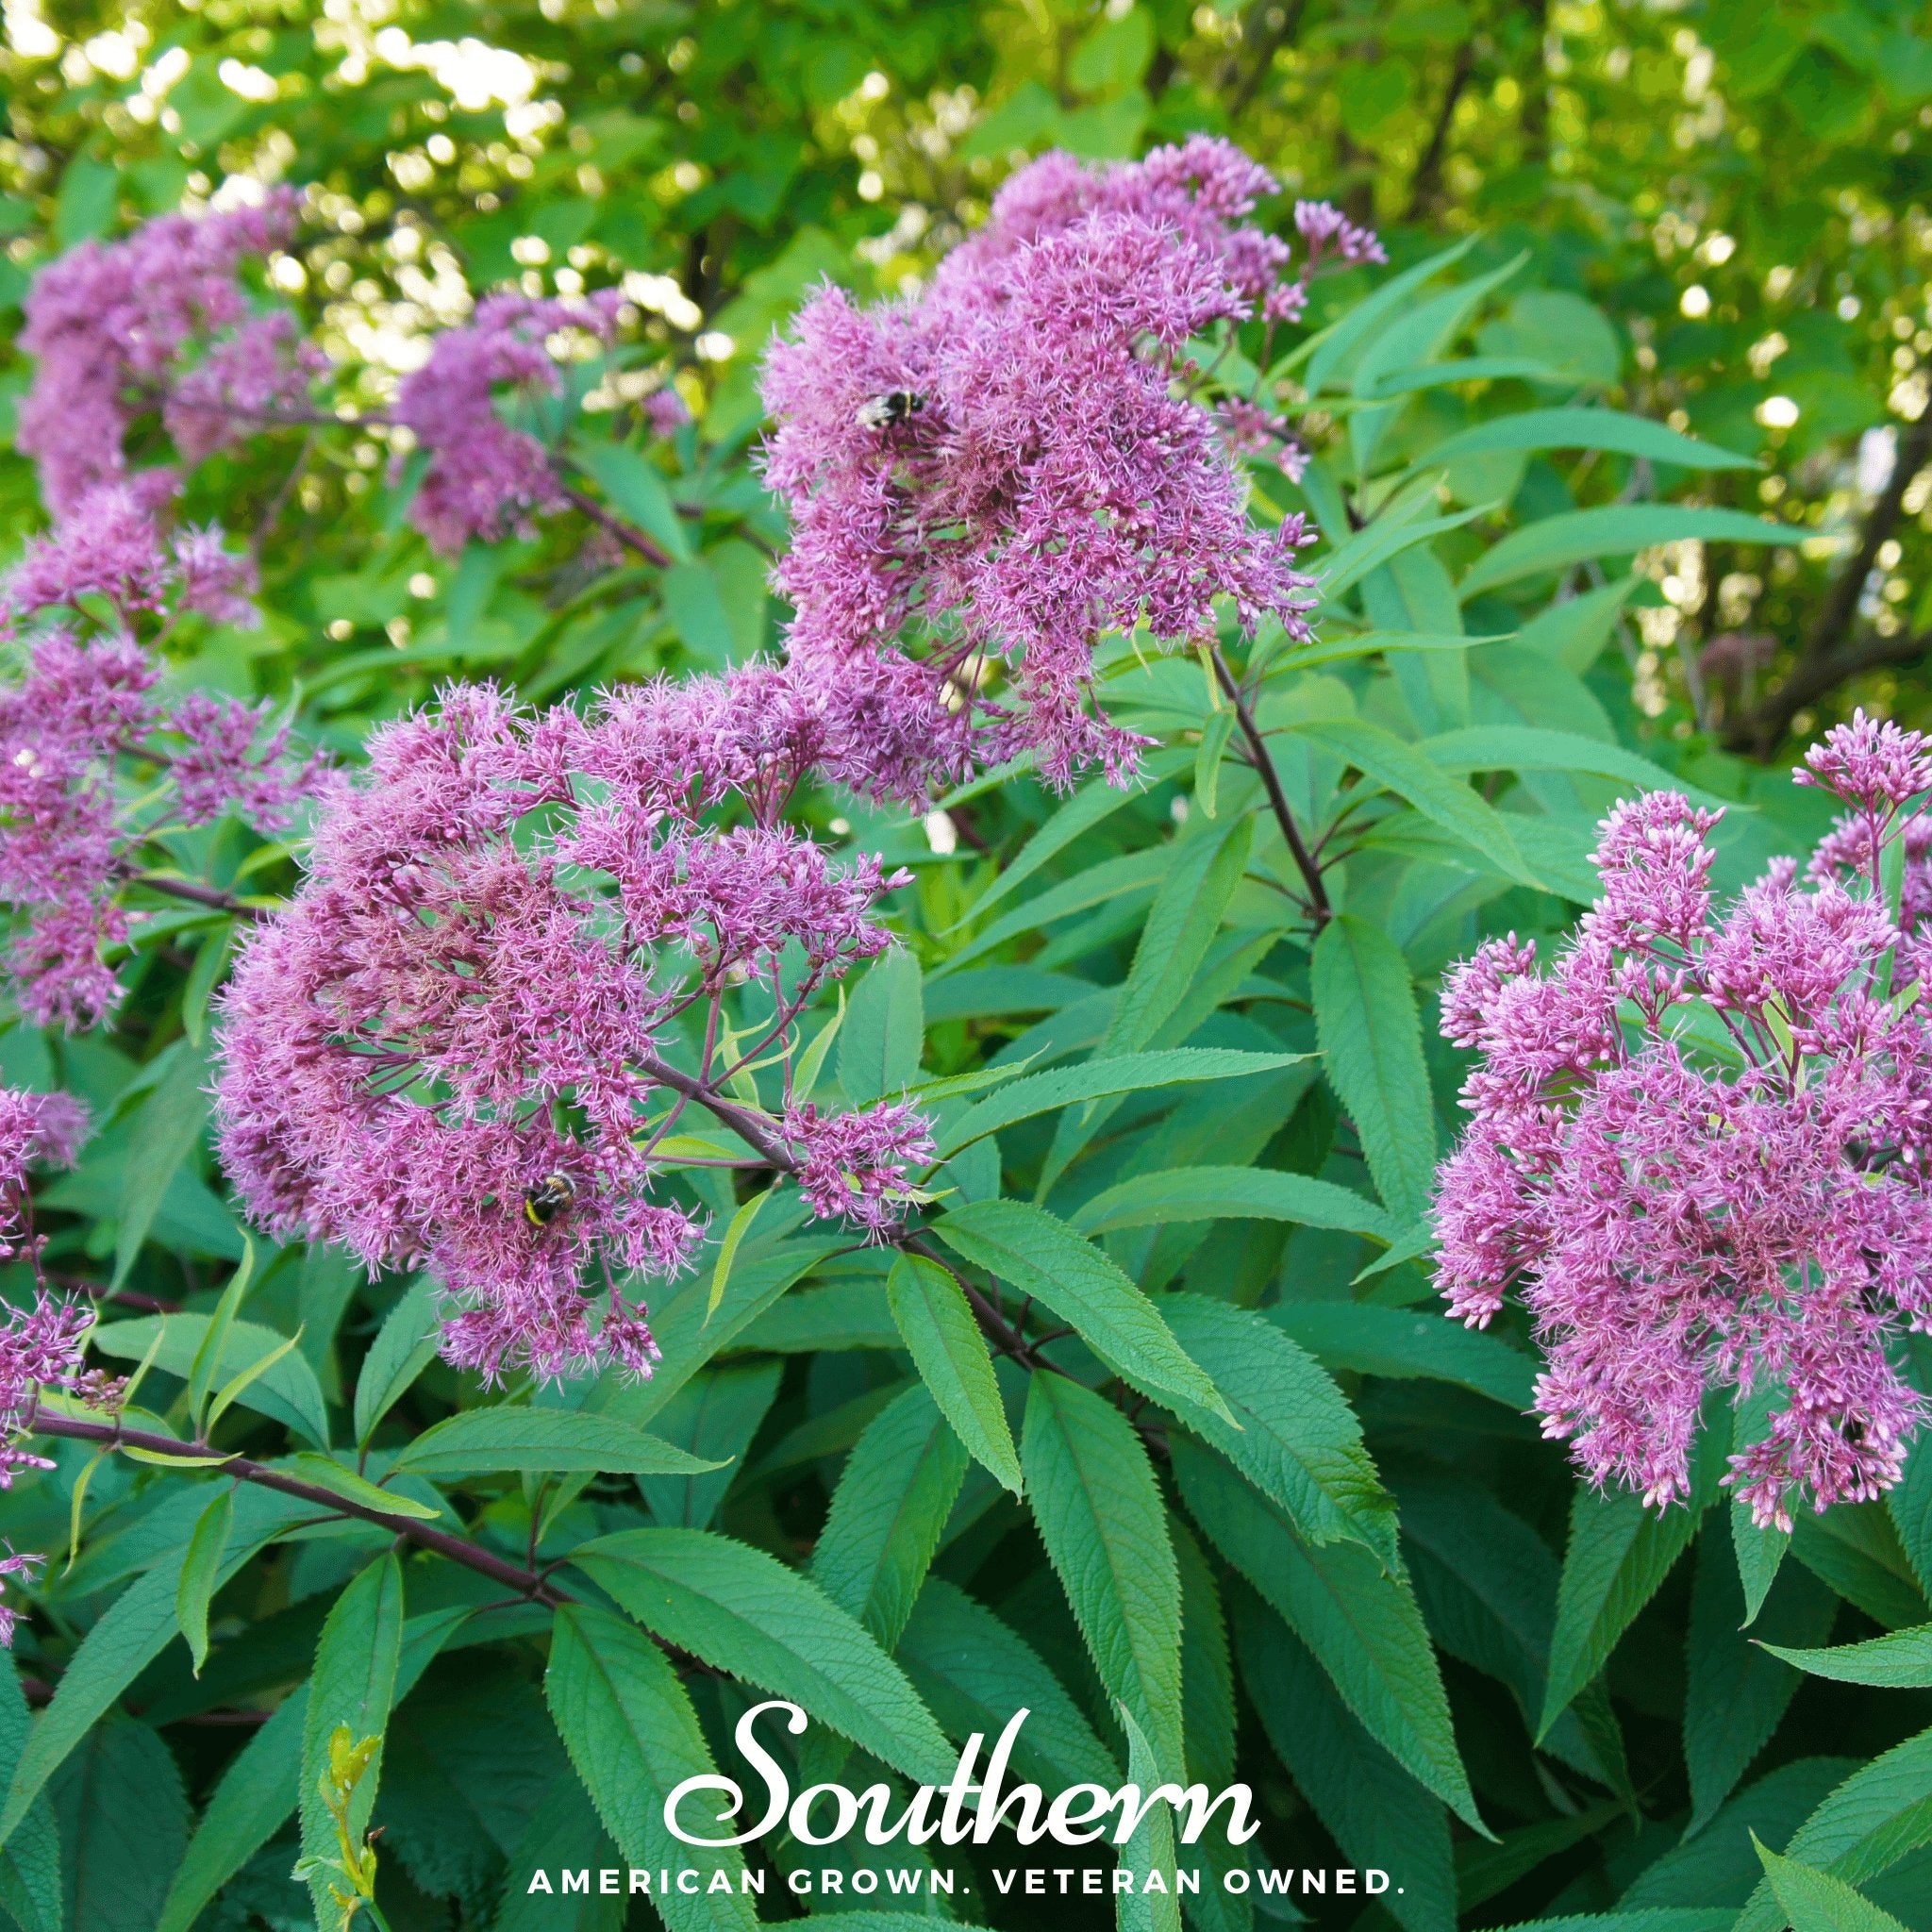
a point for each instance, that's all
(84, 710)
(486, 479)
(1011, 464)
(1699, 1144)
(456, 1045)
(110, 323)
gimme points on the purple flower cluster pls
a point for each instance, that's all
(109, 545)
(1012, 463)
(110, 323)
(857, 1165)
(471, 1000)
(1699, 1146)
(84, 708)
(487, 479)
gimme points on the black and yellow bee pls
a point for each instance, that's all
(896, 406)
(543, 1203)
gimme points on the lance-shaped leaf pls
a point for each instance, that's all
(632, 1733)
(200, 1566)
(1613, 530)
(1371, 1048)
(1575, 428)
(1359, 1620)
(282, 1386)
(1231, 1193)
(893, 1497)
(405, 1345)
(31, 1860)
(549, 1440)
(1900, 1661)
(1297, 1441)
(937, 1325)
(1374, 1341)
(883, 1031)
(1814, 1901)
(352, 1688)
(743, 1613)
(1099, 1513)
(1028, 1248)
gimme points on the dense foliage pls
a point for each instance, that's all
(712, 1020)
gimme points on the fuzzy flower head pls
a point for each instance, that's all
(487, 479)
(984, 480)
(40, 1348)
(110, 324)
(1698, 1152)
(857, 1166)
(507, 967)
(22, 1566)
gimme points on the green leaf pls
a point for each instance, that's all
(1208, 757)
(1150, 1849)
(405, 1345)
(1619, 1555)
(1370, 1805)
(353, 1685)
(1532, 748)
(893, 1497)
(1130, 1073)
(256, 1794)
(1879, 1815)
(1383, 541)
(163, 1134)
(975, 1672)
(1295, 1437)
(1575, 631)
(884, 1030)
(1099, 1513)
(1373, 1340)
(1372, 1049)
(1029, 1248)
(1414, 774)
(632, 1734)
(1359, 1620)
(208, 1357)
(1572, 428)
(238, 1385)
(1109, 882)
(1814, 1901)
(1759, 1554)
(937, 1324)
(1092, 804)
(123, 1818)
(286, 1392)
(1333, 349)
(1900, 1660)
(210, 959)
(30, 1861)
(695, 606)
(1178, 1195)
(1855, 1549)
(200, 1566)
(743, 1613)
(1613, 530)
(735, 1233)
(635, 489)
(550, 1441)
(715, 1414)
(1736, 1695)
(327, 1473)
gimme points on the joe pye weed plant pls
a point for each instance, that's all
(608, 1160)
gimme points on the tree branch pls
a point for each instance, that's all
(513, 1576)
(1428, 185)
(626, 534)
(197, 894)
(1827, 658)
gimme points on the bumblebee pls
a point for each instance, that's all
(543, 1203)
(896, 406)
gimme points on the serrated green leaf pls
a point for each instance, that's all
(887, 1511)
(631, 1730)
(884, 1030)
(31, 1860)
(743, 1613)
(1130, 1073)
(1372, 1050)
(1099, 1513)
(1902, 1660)
(975, 1671)
(1233, 1193)
(937, 1327)
(1814, 1901)
(1360, 1621)
(552, 1441)
(256, 1794)
(405, 1345)
(200, 1566)
(1297, 1441)
(288, 1392)
(1028, 1248)
(353, 1685)
(1374, 1341)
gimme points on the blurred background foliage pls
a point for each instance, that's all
(1738, 189)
